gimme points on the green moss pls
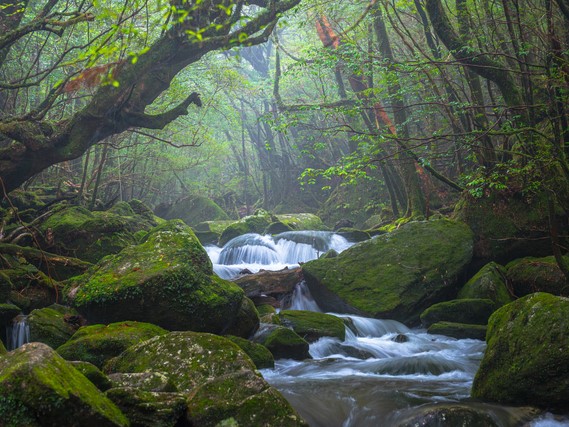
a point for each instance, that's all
(40, 385)
(49, 326)
(98, 343)
(488, 283)
(527, 355)
(471, 311)
(247, 320)
(396, 275)
(260, 355)
(264, 309)
(93, 374)
(528, 275)
(283, 343)
(194, 210)
(8, 312)
(458, 330)
(250, 224)
(147, 381)
(2, 348)
(302, 221)
(312, 326)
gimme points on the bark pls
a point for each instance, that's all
(37, 144)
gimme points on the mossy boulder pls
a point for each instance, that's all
(458, 330)
(193, 210)
(31, 288)
(529, 275)
(149, 409)
(259, 354)
(488, 283)
(218, 377)
(77, 232)
(147, 381)
(300, 221)
(282, 342)
(242, 397)
(98, 343)
(52, 325)
(93, 374)
(256, 223)
(526, 361)
(8, 312)
(38, 387)
(312, 325)
(472, 311)
(396, 275)
(166, 280)
(247, 320)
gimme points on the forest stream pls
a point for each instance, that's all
(383, 373)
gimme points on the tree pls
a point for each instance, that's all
(34, 140)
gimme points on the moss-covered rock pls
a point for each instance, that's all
(93, 374)
(488, 283)
(256, 223)
(149, 409)
(147, 381)
(247, 320)
(282, 342)
(194, 210)
(353, 234)
(216, 373)
(8, 312)
(98, 343)
(243, 397)
(527, 357)
(396, 275)
(5, 287)
(458, 330)
(38, 387)
(312, 326)
(166, 280)
(77, 232)
(529, 275)
(2, 348)
(259, 354)
(52, 325)
(301, 221)
(472, 311)
(31, 288)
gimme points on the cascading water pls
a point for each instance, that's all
(18, 333)
(383, 372)
(253, 252)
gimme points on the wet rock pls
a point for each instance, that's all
(270, 284)
(458, 330)
(282, 342)
(98, 343)
(38, 387)
(396, 275)
(472, 311)
(259, 354)
(527, 357)
(488, 283)
(93, 374)
(50, 326)
(312, 325)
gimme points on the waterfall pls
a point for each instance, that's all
(18, 333)
(254, 252)
(302, 299)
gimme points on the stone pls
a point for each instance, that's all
(458, 330)
(93, 374)
(52, 325)
(259, 354)
(488, 283)
(468, 310)
(529, 275)
(282, 342)
(312, 325)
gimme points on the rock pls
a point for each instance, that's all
(301, 221)
(282, 342)
(259, 354)
(209, 232)
(458, 330)
(5, 287)
(396, 275)
(488, 283)
(147, 381)
(93, 374)
(526, 361)
(38, 387)
(353, 234)
(50, 325)
(167, 280)
(469, 414)
(243, 397)
(276, 284)
(194, 210)
(312, 325)
(2, 348)
(98, 343)
(7, 313)
(246, 322)
(150, 409)
(215, 374)
(473, 311)
(256, 223)
(31, 288)
(77, 232)
(529, 275)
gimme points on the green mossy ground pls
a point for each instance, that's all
(529, 275)
(396, 275)
(312, 326)
(488, 283)
(98, 343)
(38, 387)
(527, 357)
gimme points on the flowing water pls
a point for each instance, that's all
(383, 372)
(18, 333)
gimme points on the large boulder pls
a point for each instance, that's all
(270, 287)
(98, 343)
(193, 210)
(282, 342)
(259, 354)
(488, 283)
(167, 280)
(529, 275)
(312, 325)
(526, 361)
(39, 388)
(256, 223)
(53, 325)
(474, 311)
(396, 275)
(218, 378)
